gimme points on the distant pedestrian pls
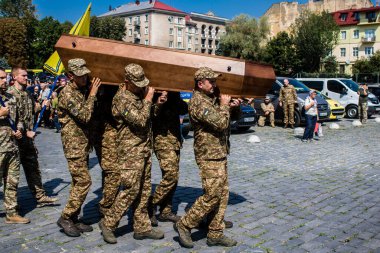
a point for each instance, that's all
(311, 115)
(363, 100)
(268, 112)
(288, 97)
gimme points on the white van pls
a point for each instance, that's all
(344, 91)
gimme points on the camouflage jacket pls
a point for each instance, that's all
(74, 112)
(7, 140)
(267, 107)
(25, 105)
(288, 94)
(133, 125)
(211, 123)
(166, 124)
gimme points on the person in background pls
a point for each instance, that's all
(363, 100)
(268, 110)
(311, 115)
(54, 112)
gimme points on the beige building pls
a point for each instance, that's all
(157, 24)
(283, 14)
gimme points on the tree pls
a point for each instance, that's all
(4, 63)
(331, 64)
(315, 35)
(244, 38)
(364, 65)
(66, 27)
(13, 42)
(17, 8)
(47, 33)
(280, 52)
(107, 28)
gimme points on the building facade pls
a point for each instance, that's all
(157, 24)
(359, 36)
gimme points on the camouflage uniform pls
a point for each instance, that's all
(167, 143)
(363, 105)
(134, 156)
(288, 97)
(28, 151)
(266, 107)
(103, 139)
(74, 112)
(211, 146)
(9, 156)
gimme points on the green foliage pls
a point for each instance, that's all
(107, 28)
(4, 63)
(280, 52)
(17, 8)
(66, 27)
(315, 35)
(364, 65)
(331, 64)
(13, 41)
(244, 38)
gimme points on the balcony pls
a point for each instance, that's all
(369, 39)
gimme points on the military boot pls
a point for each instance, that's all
(154, 234)
(286, 125)
(291, 126)
(16, 219)
(221, 241)
(68, 227)
(108, 235)
(46, 201)
(82, 227)
(184, 235)
(272, 125)
(169, 217)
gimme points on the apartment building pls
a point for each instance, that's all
(359, 35)
(158, 24)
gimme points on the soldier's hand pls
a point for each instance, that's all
(17, 134)
(235, 103)
(280, 103)
(4, 111)
(250, 100)
(149, 93)
(163, 98)
(225, 100)
(30, 134)
(95, 84)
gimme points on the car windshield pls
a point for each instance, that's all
(351, 84)
(300, 87)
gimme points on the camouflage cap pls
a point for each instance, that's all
(205, 73)
(135, 74)
(267, 98)
(78, 67)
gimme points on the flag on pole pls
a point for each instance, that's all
(82, 27)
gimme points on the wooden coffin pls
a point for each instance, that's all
(166, 69)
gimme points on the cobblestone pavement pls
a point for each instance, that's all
(286, 196)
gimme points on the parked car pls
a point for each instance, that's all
(302, 94)
(337, 110)
(345, 92)
(374, 89)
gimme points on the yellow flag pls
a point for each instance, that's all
(82, 27)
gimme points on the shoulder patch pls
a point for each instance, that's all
(205, 112)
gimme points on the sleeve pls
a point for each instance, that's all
(131, 113)
(81, 111)
(294, 94)
(217, 119)
(281, 97)
(263, 107)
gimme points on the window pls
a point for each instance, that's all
(179, 44)
(342, 70)
(180, 20)
(129, 32)
(355, 52)
(130, 20)
(171, 31)
(189, 40)
(356, 16)
(343, 17)
(196, 41)
(343, 35)
(275, 89)
(369, 33)
(335, 86)
(316, 85)
(179, 32)
(196, 30)
(171, 44)
(371, 16)
(146, 42)
(343, 52)
(146, 30)
(146, 18)
(368, 51)
(170, 18)
(356, 34)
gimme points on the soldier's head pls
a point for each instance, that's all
(20, 76)
(286, 82)
(3, 79)
(267, 100)
(135, 79)
(78, 72)
(205, 80)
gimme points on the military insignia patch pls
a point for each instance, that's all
(205, 112)
(125, 112)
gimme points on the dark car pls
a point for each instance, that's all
(302, 94)
(375, 90)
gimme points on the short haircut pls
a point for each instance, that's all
(2, 69)
(16, 69)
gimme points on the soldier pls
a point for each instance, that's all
(268, 110)
(74, 112)
(167, 142)
(131, 107)
(28, 152)
(9, 155)
(287, 99)
(104, 138)
(210, 118)
(363, 103)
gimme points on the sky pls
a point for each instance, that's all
(72, 9)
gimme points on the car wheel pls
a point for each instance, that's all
(297, 118)
(243, 129)
(352, 112)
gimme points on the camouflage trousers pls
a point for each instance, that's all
(363, 108)
(80, 185)
(10, 173)
(169, 164)
(288, 113)
(29, 161)
(136, 180)
(263, 118)
(107, 156)
(213, 202)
